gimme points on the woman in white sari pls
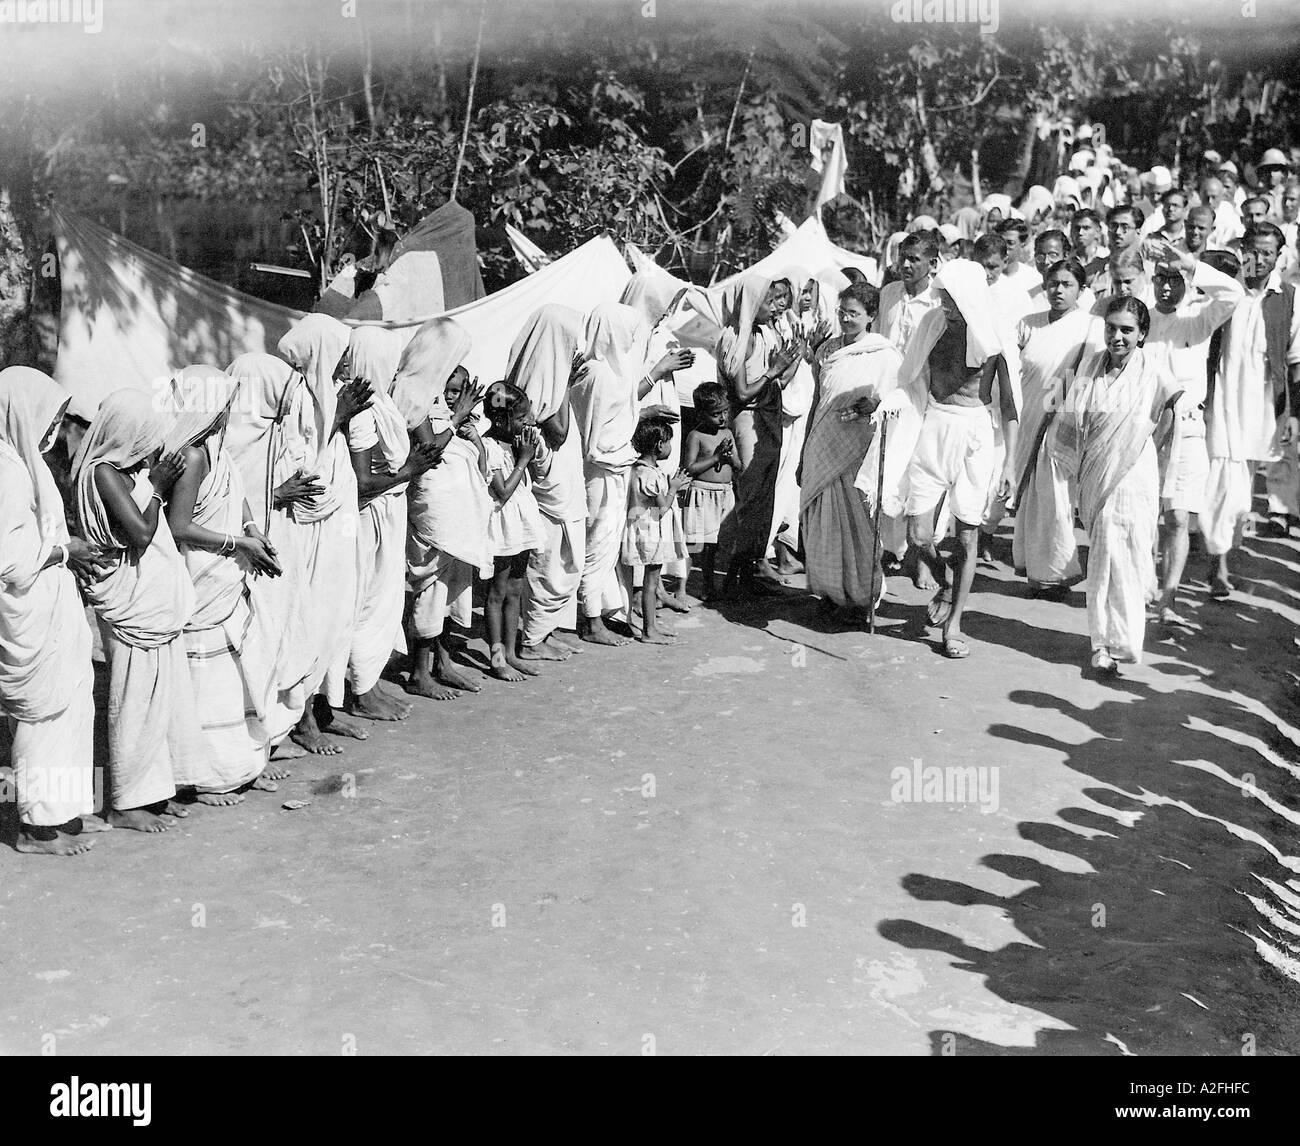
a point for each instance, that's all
(315, 347)
(45, 671)
(1103, 434)
(384, 463)
(223, 546)
(143, 607)
(853, 371)
(1052, 346)
(603, 398)
(271, 461)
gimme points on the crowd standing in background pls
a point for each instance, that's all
(1115, 358)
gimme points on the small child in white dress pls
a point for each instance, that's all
(653, 535)
(515, 527)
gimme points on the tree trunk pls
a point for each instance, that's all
(20, 334)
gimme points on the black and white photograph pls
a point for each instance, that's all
(602, 528)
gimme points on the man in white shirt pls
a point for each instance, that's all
(904, 301)
(1196, 231)
(1182, 322)
(1257, 384)
(1227, 225)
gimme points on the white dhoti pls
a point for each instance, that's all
(554, 575)
(1282, 478)
(1187, 468)
(444, 588)
(381, 589)
(153, 724)
(330, 568)
(605, 587)
(955, 456)
(1121, 561)
(52, 758)
(237, 740)
(1227, 504)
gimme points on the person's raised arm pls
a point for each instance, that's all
(134, 525)
(677, 359)
(503, 488)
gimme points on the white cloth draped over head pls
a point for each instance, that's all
(30, 401)
(998, 202)
(604, 394)
(433, 353)
(732, 308)
(129, 426)
(892, 247)
(967, 284)
(1037, 201)
(541, 358)
(373, 354)
(37, 644)
(148, 598)
(650, 294)
(313, 346)
(256, 434)
(199, 397)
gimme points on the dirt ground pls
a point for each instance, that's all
(720, 848)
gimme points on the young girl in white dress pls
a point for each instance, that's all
(653, 535)
(515, 527)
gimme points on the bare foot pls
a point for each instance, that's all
(597, 634)
(923, 579)
(94, 824)
(264, 783)
(374, 705)
(218, 799)
(518, 665)
(337, 726)
(422, 684)
(657, 637)
(287, 750)
(173, 808)
(676, 604)
(560, 639)
(315, 743)
(61, 845)
(501, 668)
(545, 651)
(272, 772)
(137, 820)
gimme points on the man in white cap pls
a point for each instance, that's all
(1271, 172)
(952, 375)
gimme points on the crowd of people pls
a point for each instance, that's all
(257, 544)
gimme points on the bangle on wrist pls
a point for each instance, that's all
(63, 559)
(246, 524)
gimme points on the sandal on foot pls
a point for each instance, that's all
(1220, 588)
(955, 648)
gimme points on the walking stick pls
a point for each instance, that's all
(875, 533)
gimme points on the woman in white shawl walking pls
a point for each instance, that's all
(143, 607)
(853, 371)
(223, 546)
(45, 671)
(1103, 434)
(1052, 344)
(315, 347)
(384, 463)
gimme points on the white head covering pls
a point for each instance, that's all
(541, 358)
(439, 346)
(268, 386)
(30, 401)
(199, 396)
(128, 427)
(616, 335)
(966, 282)
(373, 354)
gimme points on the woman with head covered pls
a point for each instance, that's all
(45, 671)
(449, 506)
(315, 347)
(223, 547)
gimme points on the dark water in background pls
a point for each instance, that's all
(217, 238)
